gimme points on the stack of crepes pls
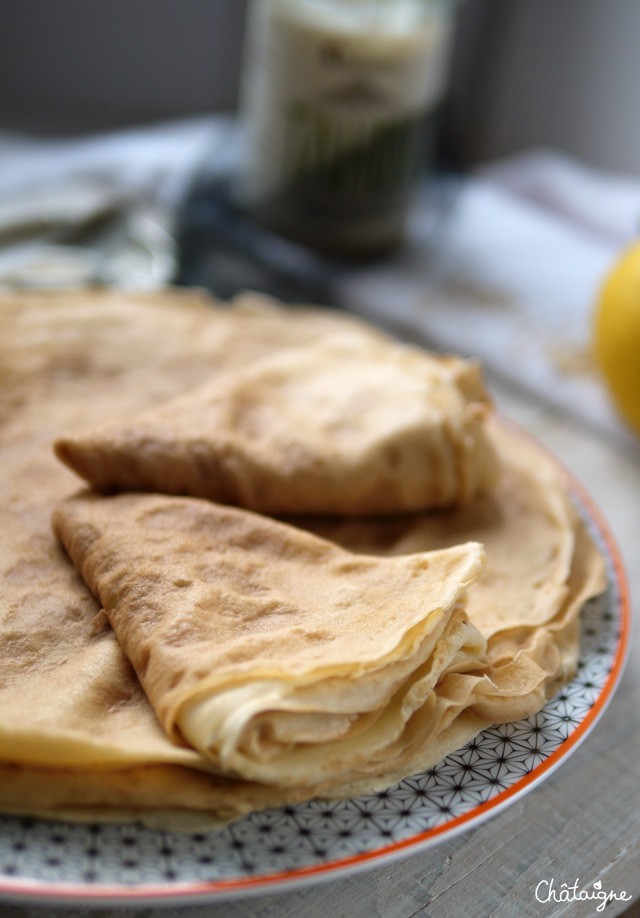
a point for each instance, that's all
(303, 559)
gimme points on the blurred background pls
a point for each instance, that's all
(553, 73)
(535, 144)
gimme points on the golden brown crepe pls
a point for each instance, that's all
(278, 656)
(78, 736)
(69, 698)
(344, 425)
(542, 564)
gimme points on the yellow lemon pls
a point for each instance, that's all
(617, 334)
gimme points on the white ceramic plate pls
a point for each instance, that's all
(94, 864)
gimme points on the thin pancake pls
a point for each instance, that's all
(79, 738)
(277, 655)
(344, 425)
(542, 565)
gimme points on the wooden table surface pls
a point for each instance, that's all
(582, 823)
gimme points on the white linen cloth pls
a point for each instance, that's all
(508, 272)
(99, 209)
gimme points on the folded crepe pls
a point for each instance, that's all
(275, 654)
(542, 564)
(345, 425)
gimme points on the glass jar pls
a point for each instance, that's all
(334, 99)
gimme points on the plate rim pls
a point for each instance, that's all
(193, 892)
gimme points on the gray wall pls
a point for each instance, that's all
(68, 65)
(560, 73)
(555, 73)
